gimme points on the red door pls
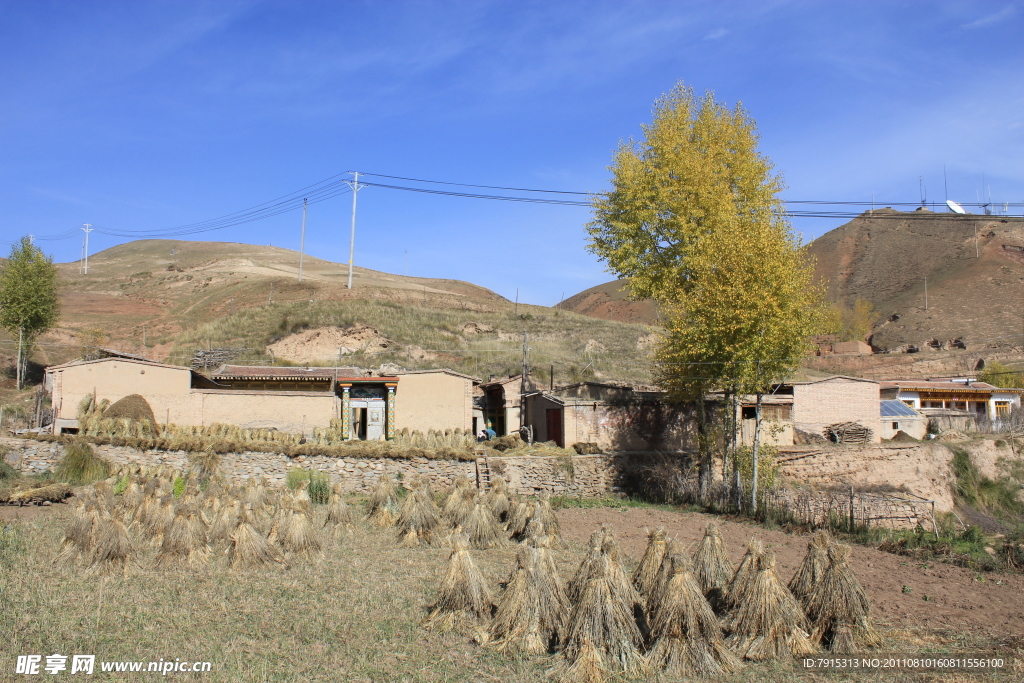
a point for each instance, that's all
(555, 426)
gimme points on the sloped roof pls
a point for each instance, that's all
(896, 408)
(446, 371)
(278, 372)
(944, 385)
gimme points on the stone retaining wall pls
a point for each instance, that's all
(585, 475)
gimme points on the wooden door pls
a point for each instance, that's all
(554, 416)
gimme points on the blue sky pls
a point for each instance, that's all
(149, 115)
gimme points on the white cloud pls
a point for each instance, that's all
(717, 33)
(992, 18)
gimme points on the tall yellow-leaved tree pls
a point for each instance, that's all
(695, 221)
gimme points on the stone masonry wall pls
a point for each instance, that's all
(586, 475)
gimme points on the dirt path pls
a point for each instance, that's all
(960, 600)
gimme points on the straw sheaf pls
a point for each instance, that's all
(184, 542)
(296, 534)
(688, 636)
(114, 545)
(840, 607)
(80, 536)
(587, 568)
(618, 579)
(250, 549)
(517, 623)
(225, 522)
(463, 593)
(812, 569)
(518, 517)
(769, 624)
(483, 529)
(712, 567)
(603, 619)
(744, 576)
(546, 516)
(645, 578)
(588, 667)
(338, 512)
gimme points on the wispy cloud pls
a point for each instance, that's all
(717, 33)
(993, 18)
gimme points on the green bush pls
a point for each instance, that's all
(319, 488)
(80, 465)
(179, 486)
(121, 485)
(7, 472)
(295, 478)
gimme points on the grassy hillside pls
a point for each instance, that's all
(164, 299)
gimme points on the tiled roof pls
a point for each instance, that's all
(276, 372)
(942, 385)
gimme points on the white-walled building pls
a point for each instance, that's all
(966, 395)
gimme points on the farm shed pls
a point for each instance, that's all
(616, 418)
(289, 399)
(897, 416)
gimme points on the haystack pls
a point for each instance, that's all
(419, 516)
(225, 522)
(839, 607)
(688, 635)
(546, 516)
(463, 593)
(81, 534)
(296, 534)
(133, 407)
(519, 515)
(184, 542)
(810, 572)
(711, 565)
(645, 578)
(382, 507)
(769, 624)
(249, 548)
(744, 576)
(587, 567)
(114, 546)
(528, 617)
(482, 528)
(338, 512)
(603, 620)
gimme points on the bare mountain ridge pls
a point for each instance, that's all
(974, 267)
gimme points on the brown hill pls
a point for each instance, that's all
(974, 266)
(165, 299)
(610, 301)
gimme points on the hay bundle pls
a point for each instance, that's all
(546, 516)
(419, 516)
(463, 593)
(688, 635)
(839, 606)
(525, 619)
(160, 517)
(81, 534)
(482, 528)
(769, 624)
(518, 517)
(382, 507)
(587, 568)
(53, 493)
(589, 666)
(603, 620)
(553, 597)
(711, 565)
(744, 576)
(114, 545)
(673, 548)
(297, 535)
(338, 512)
(130, 499)
(105, 491)
(620, 582)
(184, 542)
(498, 499)
(249, 548)
(812, 569)
(225, 522)
(645, 578)
(255, 495)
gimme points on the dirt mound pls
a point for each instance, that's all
(324, 343)
(134, 407)
(476, 328)
(610, 301)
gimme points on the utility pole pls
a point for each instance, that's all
(354, 184)
(522, 391)
(302, 240)
(87, 228)
(926, 292)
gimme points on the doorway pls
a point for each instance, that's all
(554, 420)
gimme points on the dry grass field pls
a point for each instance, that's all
(354, 612)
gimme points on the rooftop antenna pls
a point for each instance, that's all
(921, 190)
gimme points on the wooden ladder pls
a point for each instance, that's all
(483, 473)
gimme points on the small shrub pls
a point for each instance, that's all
(7, 471)
(121, 485)
(80, 465)
(319, 488)
(179, 486)
(296, 478)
